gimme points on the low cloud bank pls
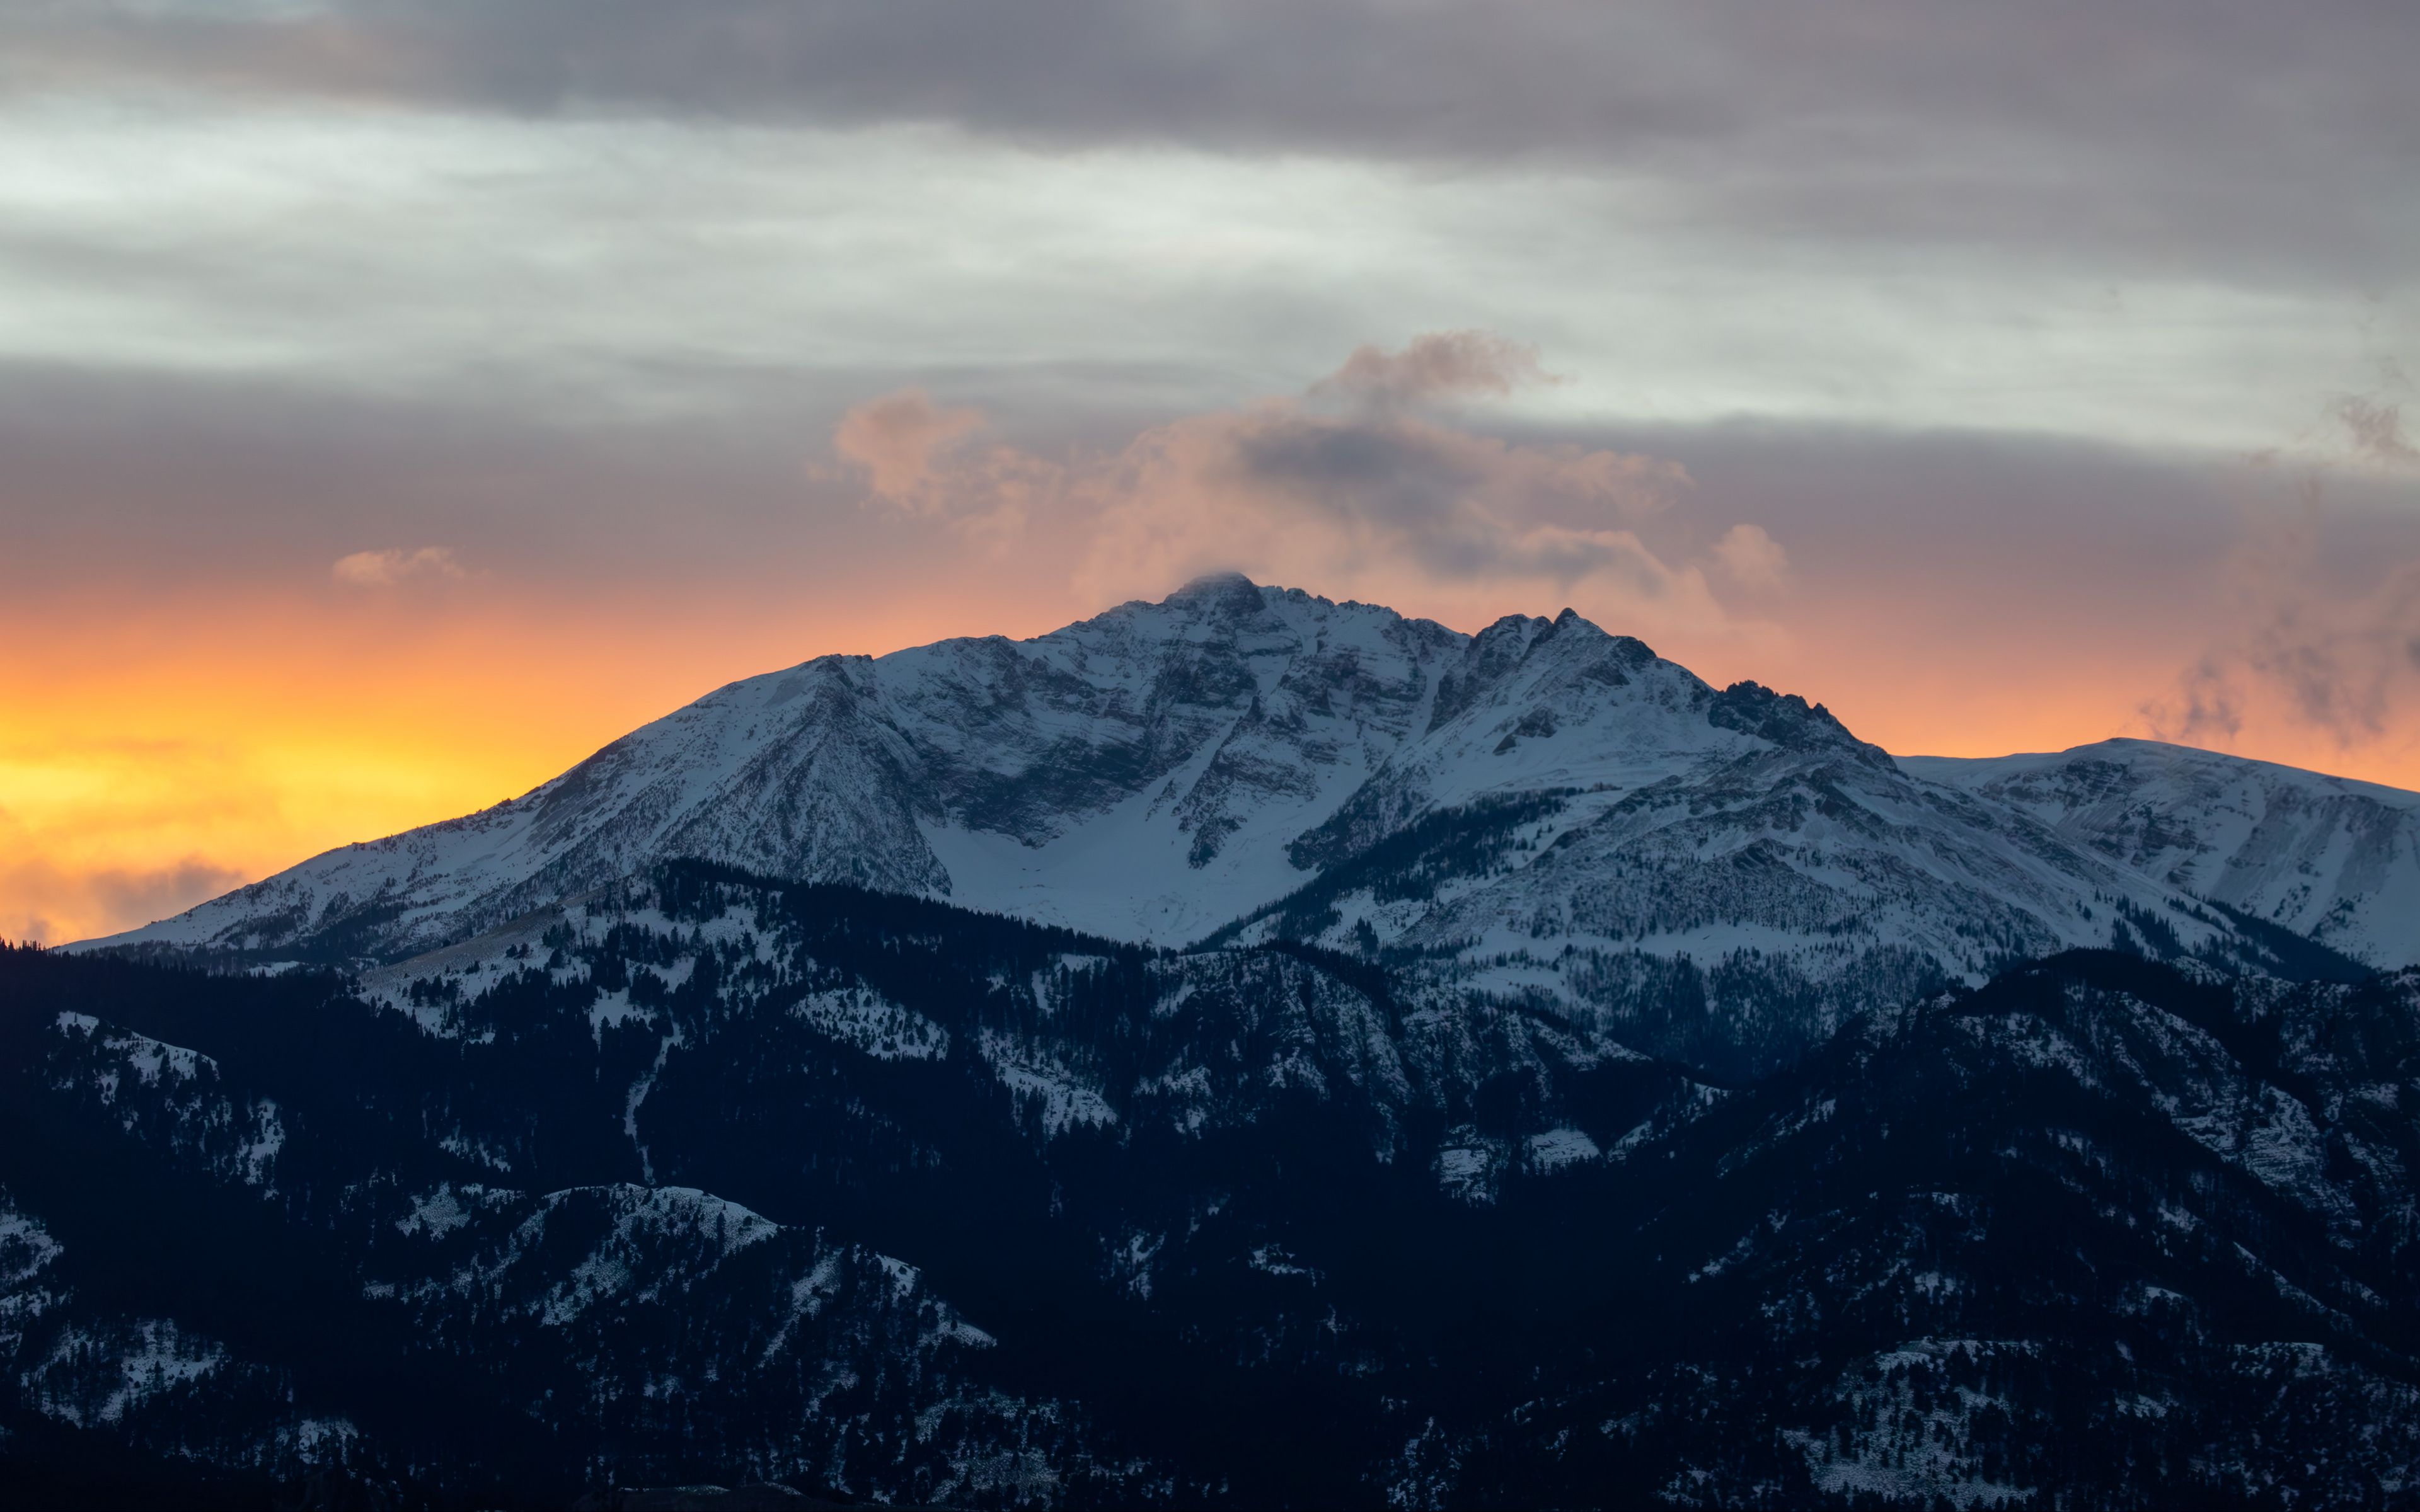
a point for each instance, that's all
(54, 902)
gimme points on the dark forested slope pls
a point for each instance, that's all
(706, 1178)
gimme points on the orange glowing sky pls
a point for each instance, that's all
(156, 752)
(398, 402)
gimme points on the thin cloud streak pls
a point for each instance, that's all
(567, 267)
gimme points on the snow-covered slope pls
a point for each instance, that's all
(1589, 826)
(1138, 773)
(1537, 808)
(2330, 858)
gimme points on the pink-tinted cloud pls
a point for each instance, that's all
(1751, 558)
(923, 460)
(896, 440)
(386, 567)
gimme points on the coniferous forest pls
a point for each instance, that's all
(710, 1179)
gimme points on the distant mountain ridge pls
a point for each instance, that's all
(2329, 857)
(1541, 809)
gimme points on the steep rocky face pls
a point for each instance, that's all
(2333, 859)
(1718, 876)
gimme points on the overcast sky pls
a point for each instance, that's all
(402, 397)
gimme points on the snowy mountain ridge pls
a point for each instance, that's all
(2326, 855)
(1541, 808)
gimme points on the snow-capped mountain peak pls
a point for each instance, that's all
(1541, 796)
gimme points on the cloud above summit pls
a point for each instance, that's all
(1361, 497)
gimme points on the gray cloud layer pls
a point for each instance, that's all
(2228, 133)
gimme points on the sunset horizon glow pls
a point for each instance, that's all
(161, 774)
(402, 402)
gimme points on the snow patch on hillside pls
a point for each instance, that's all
(864, 1019)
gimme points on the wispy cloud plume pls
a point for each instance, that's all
(893, 439)
(2303, 649)
(2376, 428)
(922, 460)
(2344, 669)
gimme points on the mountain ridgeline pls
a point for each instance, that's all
(1247, 1051)
(1539, 811)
